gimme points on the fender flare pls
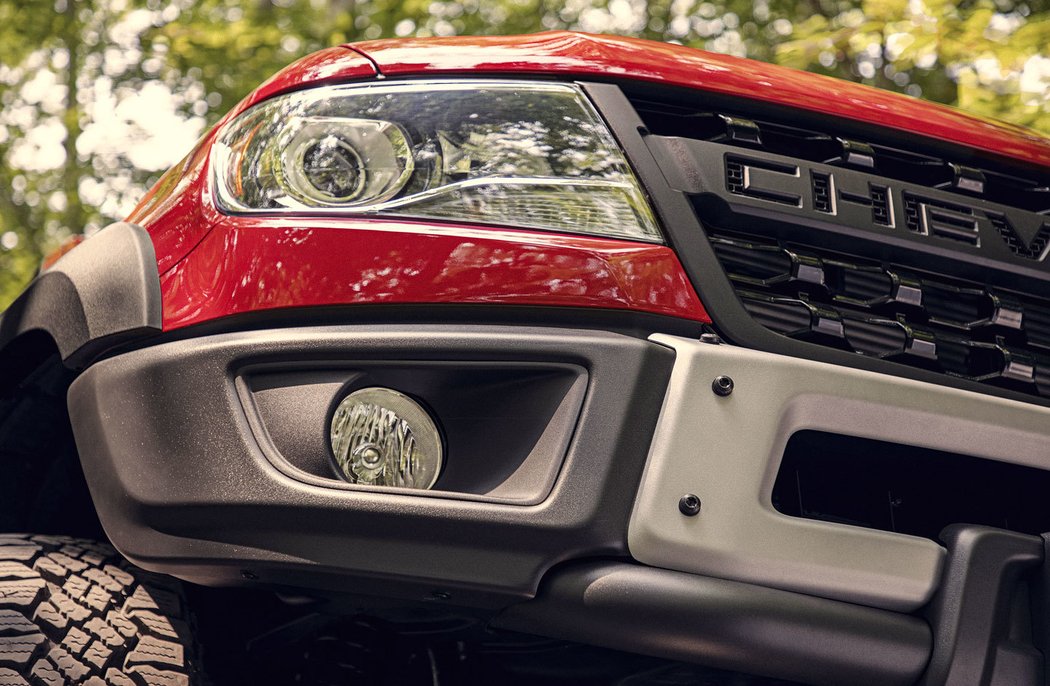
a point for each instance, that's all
(104, 292)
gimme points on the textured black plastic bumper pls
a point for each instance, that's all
(189, 478)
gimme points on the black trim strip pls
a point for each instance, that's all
(628, 322)
(724, 624)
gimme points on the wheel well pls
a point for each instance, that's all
(42, 486)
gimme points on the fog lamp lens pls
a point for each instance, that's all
(384, 438)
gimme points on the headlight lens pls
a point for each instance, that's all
(513, 153)
(323, 161)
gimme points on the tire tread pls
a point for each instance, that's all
(72, 612)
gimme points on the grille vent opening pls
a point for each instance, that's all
(823, 193)
(954, 222)
(880, 205)
(905, 489)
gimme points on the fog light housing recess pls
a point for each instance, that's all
(381, 437)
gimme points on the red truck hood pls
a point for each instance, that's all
(605, 57)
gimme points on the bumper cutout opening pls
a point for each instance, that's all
(906, 489)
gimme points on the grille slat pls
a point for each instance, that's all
(960, 308)
(876, 337)
(788, 318)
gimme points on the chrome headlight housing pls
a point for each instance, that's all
(523, 154)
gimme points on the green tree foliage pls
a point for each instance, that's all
(100, 96)
(989, 58)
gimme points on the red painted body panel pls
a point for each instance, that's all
(178, 212)
(324, 66)
(248, 264)
(612, 57)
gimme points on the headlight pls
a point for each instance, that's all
(513, 153)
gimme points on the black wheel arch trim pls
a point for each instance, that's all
(105, 291)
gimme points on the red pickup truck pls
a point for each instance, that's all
(546, 359)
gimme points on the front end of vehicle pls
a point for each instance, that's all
(598, 340)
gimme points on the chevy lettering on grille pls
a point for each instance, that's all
(842, 199)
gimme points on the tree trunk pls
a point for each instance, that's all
(74, 213)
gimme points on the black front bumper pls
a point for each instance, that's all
(206, 459)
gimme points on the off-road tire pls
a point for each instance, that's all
(74, 612)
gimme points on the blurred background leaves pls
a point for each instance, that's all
(99, 97)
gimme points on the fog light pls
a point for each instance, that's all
(384, 438)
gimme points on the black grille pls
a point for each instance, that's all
(734, 175)
(1015, 187)
(932, 321)
(920, 253)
